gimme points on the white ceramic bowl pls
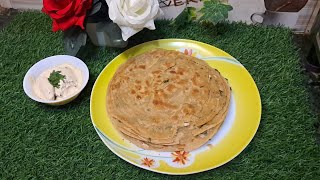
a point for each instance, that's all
(48, 63)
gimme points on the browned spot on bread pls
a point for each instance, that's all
(171, 87)
(163, 105)
(156, 102)
(221, 92)
(180, 71)
(156, 72)
(138, 87)
(195, 91)
(189, 109)
(116, 86)
(169, 64)
(142, 66)
(194, 80)
(145, 92)
(161, 94)
(148, 83)
(175, 117)
(182, 82)
(170, 106)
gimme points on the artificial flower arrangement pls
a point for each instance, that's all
(112, 22)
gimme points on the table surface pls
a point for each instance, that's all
(60, 142)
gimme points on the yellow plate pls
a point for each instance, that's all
(234, 135)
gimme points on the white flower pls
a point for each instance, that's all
(133, 15)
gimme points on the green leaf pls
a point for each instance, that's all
(55, 78)
(214, 11)
(186, 16)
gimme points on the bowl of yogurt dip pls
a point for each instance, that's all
(56, 80)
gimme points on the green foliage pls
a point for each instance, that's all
(214, 11)
(55, 78)
(185, 17)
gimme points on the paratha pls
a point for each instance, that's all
(165, 100)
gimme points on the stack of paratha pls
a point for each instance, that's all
(167, 101)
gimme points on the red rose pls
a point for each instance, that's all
(66, 13)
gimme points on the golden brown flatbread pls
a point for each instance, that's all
(165, 100)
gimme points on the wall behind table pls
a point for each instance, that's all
(22, 4)
(241, 12)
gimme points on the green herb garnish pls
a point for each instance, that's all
(55, 78)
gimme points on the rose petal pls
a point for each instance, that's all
(135, 5)
(60, 13)
(128, 32)
(79, 7)
(82, 7)
(66, 23)
(108, 2)
(53, 5)
(114, 13)
(87, 4)
(79, 11)
(138, 20)
(134, 15)
(55, 26)
(56, 16)
(45, 11)
(146, 13)
(78, 2)
(80, 21)
(66, 9)
(150, 25)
